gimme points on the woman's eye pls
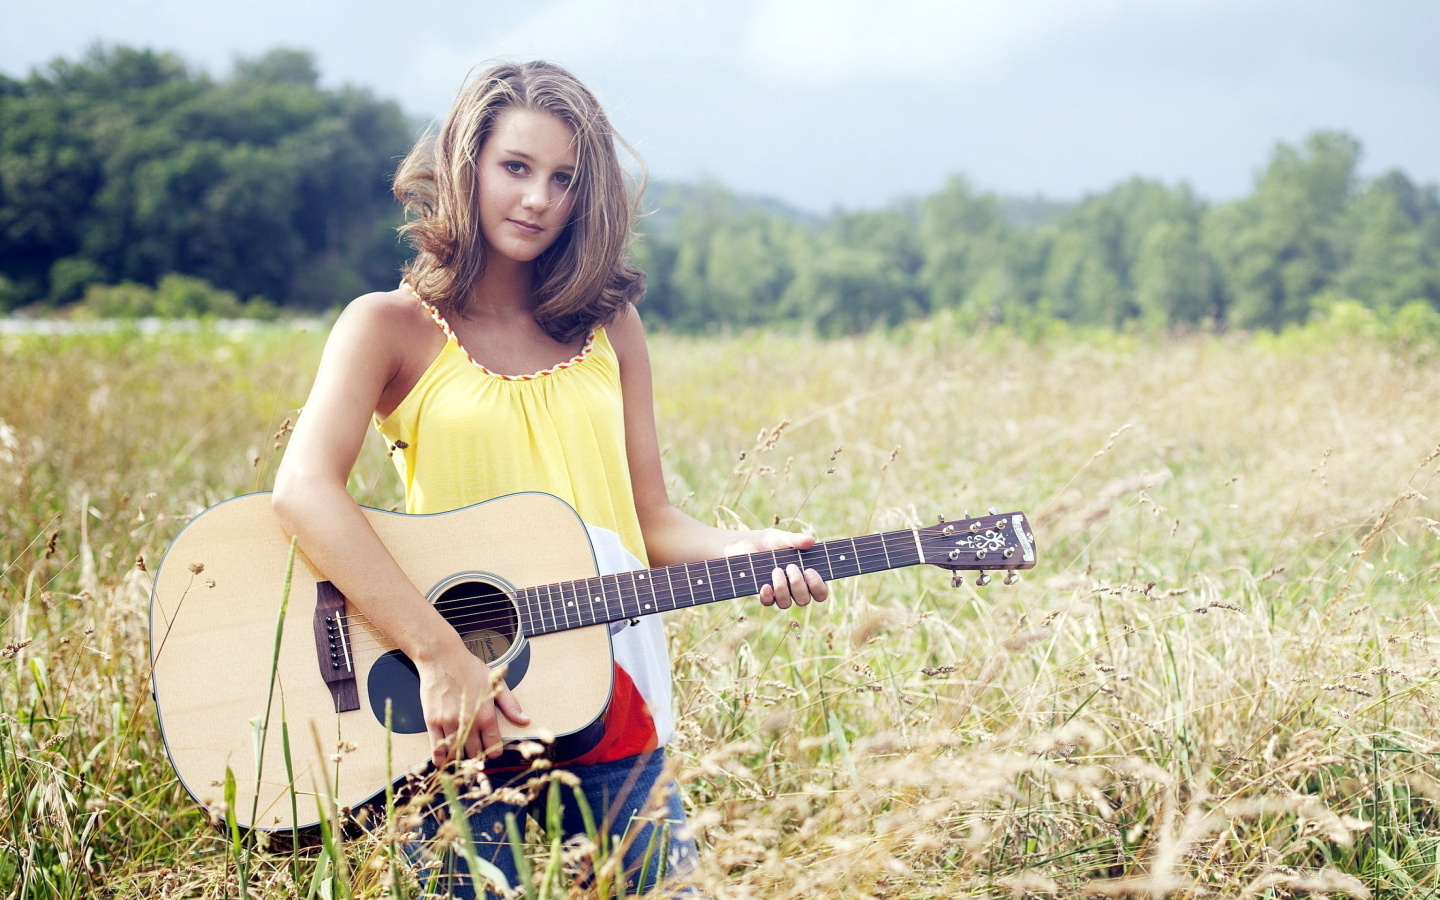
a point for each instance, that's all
(515, 168)
(564, 179)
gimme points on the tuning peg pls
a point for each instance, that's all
(957, 580)
(1011, 577)
(942, 519)
(994, 511)
(982, 579)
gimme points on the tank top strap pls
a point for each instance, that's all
(450, 336)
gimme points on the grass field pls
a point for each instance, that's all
(1220, 680)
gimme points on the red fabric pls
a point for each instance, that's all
(629, 727)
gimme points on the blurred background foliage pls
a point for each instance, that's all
(127, 167)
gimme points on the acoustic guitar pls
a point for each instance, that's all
(262, 669)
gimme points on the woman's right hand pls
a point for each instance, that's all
(460, 705)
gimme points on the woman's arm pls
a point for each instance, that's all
(671, 536)
(369, 356)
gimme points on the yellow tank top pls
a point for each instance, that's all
(465, 434)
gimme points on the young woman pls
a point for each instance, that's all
(512, 359)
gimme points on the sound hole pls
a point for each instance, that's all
(484, 616)
(487, 621)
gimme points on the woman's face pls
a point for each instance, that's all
(526, 178)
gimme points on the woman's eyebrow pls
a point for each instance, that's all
(530, 158)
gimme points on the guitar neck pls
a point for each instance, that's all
(550, 608)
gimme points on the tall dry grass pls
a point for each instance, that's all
(1219, 681)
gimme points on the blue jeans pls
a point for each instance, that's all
(615, 793)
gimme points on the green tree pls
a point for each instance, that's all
(1392, 259)
(731, 264)
(961, 237)
(1174, 277)
(1285, 244)
(130, 164)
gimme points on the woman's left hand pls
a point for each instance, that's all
(789, 585)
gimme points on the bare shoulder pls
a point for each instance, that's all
(391, 324)
(627, 334)
(385, 311)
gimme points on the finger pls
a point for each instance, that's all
(474, 744)
(819, 590)
(802, 541)
(767, 595)
(466, 741)
(509, 704)
(781, 585)
(799, 590)
(492, 743)
(439, 747)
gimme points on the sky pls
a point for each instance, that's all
(855, 103)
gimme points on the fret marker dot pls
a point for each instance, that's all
(647, 606)
(699, 581)
(842, 556)
(641, 577)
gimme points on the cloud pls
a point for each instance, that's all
(831, 43)
(622, 33)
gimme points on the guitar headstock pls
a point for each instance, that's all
(1001, 541)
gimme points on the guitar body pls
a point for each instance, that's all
(216, 607)
(328, 715)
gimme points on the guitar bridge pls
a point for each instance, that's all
(332, 647)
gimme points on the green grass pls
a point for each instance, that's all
(1220, 680)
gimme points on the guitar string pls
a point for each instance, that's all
(479, 613)
(469, 615)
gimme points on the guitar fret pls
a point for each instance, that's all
(699, 583)
(907, 548)
(567, 603)
(774, 564)
(597, 595)
(585, 599)
(537, 611)
(579, 605)
(615, 607)
(618, 595)
(550, 605)
(629, 595)
(844, 561)
(522, 611)
(669, 591)
(647, 583)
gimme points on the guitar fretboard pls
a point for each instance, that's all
(550, 608)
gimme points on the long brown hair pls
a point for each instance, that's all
(584, 278)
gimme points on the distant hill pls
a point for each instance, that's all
(1029, 212)
(666, 201)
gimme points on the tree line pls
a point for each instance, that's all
(1142, 255)
(126, 167)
